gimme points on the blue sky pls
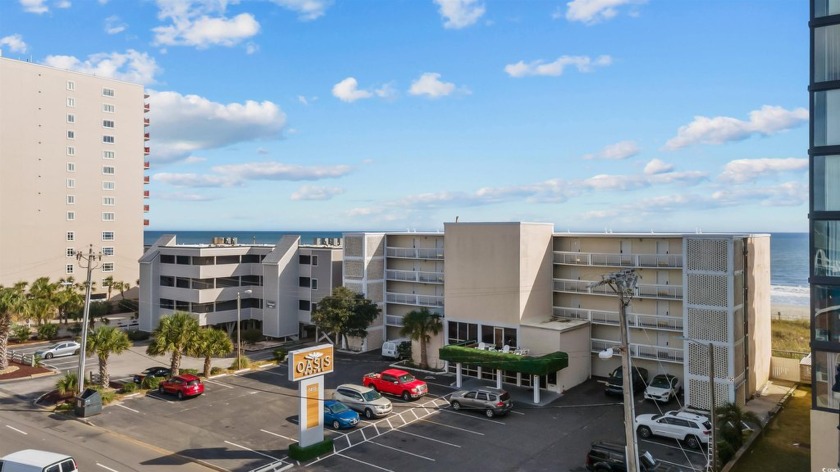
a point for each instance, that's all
(594, 115)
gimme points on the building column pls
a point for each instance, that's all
(499, 379)
(536, 379)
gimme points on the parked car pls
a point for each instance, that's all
(32, 460)
(184, 385)
(492, 401)
(663, 388)
(396, 382)
(363, 399)
(64, 348)
(391, 348)
(609, 457)
(693, 429)
(338, 415)
(615, 384)
(156, 371)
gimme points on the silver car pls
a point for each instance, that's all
(492, 401)
(66, 348)
(364, 400)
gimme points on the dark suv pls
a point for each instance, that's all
(609, 457)
(615, 386)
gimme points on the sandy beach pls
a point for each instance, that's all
(789, 312)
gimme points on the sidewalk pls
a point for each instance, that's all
(770, 400)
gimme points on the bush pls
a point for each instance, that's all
(725, 452)
(305, 453)
(137, 335)
(188, 371)
(21, 333)
(67, 384)
(99, 309)
(244, 363)
(216, 370)
(129, 387)
(47, 331)
(127, 306)
(107, 395)
(150, 383)
(75, 328)
(280, 355)
(404, 350)
(251, 336)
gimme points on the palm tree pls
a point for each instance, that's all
(730, 416)
(174, 334)
(67, 384)
(105, 341)
(70, 300)
(419, 325)
(43, 300)
(12, 304)
(108, 282)
(211, 342)
(122, 287)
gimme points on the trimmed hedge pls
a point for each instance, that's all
(305, 453)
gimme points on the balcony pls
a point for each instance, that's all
(146, 107)
(634, 320)
(145, 122)
(660, 291)
(146, 179)
(394, 320)
(414, 299)
(414, 252)
(146, 96)
(145, 194)
(414, 276)
(146, 136)
(642, 351)
(146, 150)
(145, 208)
(146, 165)
(145, 222)
(593, 259)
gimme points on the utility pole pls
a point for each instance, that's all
(91, 261)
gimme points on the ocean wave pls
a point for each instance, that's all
(796, 295)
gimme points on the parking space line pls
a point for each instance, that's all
(688, 451)
(278, 435)
(215, 382)
(127, 408)
(517, 412)
(251, 450)
(453, 427)
(472, 416)
(361, 462)
(19, 431)
(106, 468)
(425, 437)
(404, 452)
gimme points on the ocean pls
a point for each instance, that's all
(788, 256)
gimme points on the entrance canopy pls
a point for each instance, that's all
(543, 365)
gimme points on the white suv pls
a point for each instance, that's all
(680, 425)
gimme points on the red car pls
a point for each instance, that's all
(396, 382)
(185, 385)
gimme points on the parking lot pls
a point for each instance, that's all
(247, 422)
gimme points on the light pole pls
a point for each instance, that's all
(92, 262)
(712, 465)
(238, 327)
(623, 283)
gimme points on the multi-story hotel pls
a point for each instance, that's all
(72, 150)
(272, 287)
(824, 221)
(524, 286)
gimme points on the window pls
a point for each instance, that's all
(826, 7)
(314, 260)
(314, 284)
(71, 118)
(108, 154)
(71, 215)
(303, 282)
(107, 235)
(108, 201)
(303, 305)
(167, 281)
(108, 251)
(71, 151)
(71, 134)
(167, 303)
(70, 252)
(106, 92)
(221, 260)
(108, 139)
(68, 269)
(183, 260)
(167, 259)
(71, 167)
(71, 102)
(71, 199)
(108, 170)
(251, 258)
(71, 85)
(826, 54)
(203, 260)
(71, 183)
(71, 235)
(304, 259)
(107, 216)
(107, 108)
(107, 185)
(182, 282)
(107, 267)
(107, 123)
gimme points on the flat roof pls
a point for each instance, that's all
(562, 324)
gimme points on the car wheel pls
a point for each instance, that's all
(76, 352)
(489, 413)
(368, 413)
(406, 396)
(336, 424)
(160, 389)
(456, 406)
(692, 442)
(180, 395)
(644, 432)
(48, 355)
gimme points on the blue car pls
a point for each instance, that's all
(337, 415)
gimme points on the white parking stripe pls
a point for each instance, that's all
(404, 452)
(361, 462)
(19, 431)
(218, 383)
(278, 435)
(106, 468)
(474, 416)
(249, 449)
(454, 427)
(424, 437)
(127, 408)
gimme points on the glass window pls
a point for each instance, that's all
(71, 102)
(71, 235)
(827, 53)
(227, 282)
(203, 283)
(167, 281)
(107, 154)
(71, 134)
(826, 320)
(182, 282)
(107, 235)
(303, 305)
(108, 170)
(71, 215)
(824, 365)
(71, 118)
(108, 201)
(107, 123)
(167, 303)
(68, 269)
(462, 332)
(71, 85)
(826, 175)
(314, 284)
(107, 216)
(71, 167)
(252, 280)
(183, 260)
(314, 260)
(251, 258)
(71, 151)
(70, 252)
(108, 139)
(202, 307)
(826, 8)
(203, 260)
(304, 259)
(108, 92)
(71, 183)
(107, 267)
(71, 199)
(303, 282)
(107, 185)
(108, 251)
(228, 305)
(826, 251)
(826, 110)
(220, 260)
(108, 108)
(167, 259)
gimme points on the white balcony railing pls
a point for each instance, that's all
(413, 299)
(415, 252)
(618, 260)
(414, 276)
(663, 291)
(393, 320)
(642, 351)
(634, 320)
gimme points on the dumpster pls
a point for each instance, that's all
(89, 403)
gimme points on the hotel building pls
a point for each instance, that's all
(72, 150)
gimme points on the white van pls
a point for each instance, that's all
(31, 460)
(390, 348)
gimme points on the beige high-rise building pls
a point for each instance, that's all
(72, 160)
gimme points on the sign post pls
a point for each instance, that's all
(308, 367)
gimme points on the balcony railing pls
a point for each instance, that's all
(145, 122)
(146, 179)
(414, 299)
(146, 107)
(595, 259)
(415, 252)
(146, 136)
(147, 150)
(145, 194)
(146, 164)
(146, 96)
(145, 222)
(145, 208)
(414, 276)
(642, 351)
(634, 320)
(393, 320)
(663, 291)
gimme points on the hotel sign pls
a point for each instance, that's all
(311, 362)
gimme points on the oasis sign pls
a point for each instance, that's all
(311, 362)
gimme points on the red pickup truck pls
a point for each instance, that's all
(396, 382)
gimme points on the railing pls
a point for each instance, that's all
(146, 165)
(146, 136)
(147, 150)
(145, 194)
(415, 252)
(666, 291)
(146, 107)
(146, 179)
(145, 208)
(642, 351)
(413, 299)
(618, 260)
(634, 320)
(21, 358)
(789, 354)
(393, 320)
(414, 276)
(145, 122)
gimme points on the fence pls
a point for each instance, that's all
(788, 365)
(21, 358)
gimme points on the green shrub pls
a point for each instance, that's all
(129, 387)
(75, 328)
(21, 333)
(404, 350)
(305, 453)
(99, 309)
(244, 363)
(107, 395)
(251, 336)
(127, 306)
(47, 331)
(150, 383)
(137, 335)
(280, 355)
(216, 370)
(67, 384)
(188, 371)
(725, 452)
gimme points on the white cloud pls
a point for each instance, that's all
(194, 160)
(202, 24)
(460, 13)
(348, 91)
(386, 91)
(313, 192)
(196, 180)
(132, 66)
(745, 170)
(113, 25)
(616, 152)
(655, 166)
(232, 175)
(251, 48)
(540, 67)
(595, 11)
(766, 121)
(63, 4)
(34, 6)
(307, 9)
(189, 197)
(785, 194)
(430, 85)
(184, 124)
(14, 42)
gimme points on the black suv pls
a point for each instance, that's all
(614, 383)
(609, 457)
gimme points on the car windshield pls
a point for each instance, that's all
(371, 396)
(406, 378)
(338, 407)
(707, 425)
(647, 460)
(660, 382)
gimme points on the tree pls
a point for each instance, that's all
(12, 304)
(70, 301)
(105, 341)
(174, 334)
(345, 313)
(108, 282)
(729, 419)
(210, 342)
(43, 300)
(68, 384)
(420, 325)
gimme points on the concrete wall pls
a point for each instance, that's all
(758, 312)
(824, 445)
(574, 342)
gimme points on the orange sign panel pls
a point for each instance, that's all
(311, 362)
(313, 403)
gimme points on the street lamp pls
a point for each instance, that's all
(623, 283)
(712, 464)
(238, 327)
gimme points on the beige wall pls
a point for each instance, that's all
(758, 311)
(823, 440)
(574, 342)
